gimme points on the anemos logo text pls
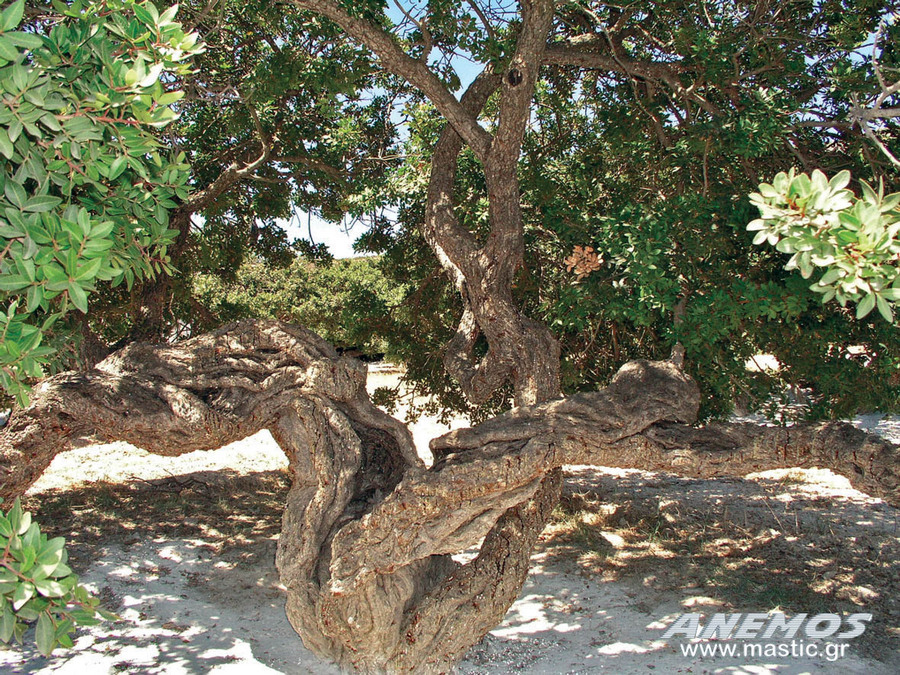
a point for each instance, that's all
(774, 626)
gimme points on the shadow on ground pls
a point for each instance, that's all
(188, 563)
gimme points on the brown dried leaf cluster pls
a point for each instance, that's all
(583, 261)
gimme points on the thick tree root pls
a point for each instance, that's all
(368, 531)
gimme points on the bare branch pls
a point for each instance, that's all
(398, 62)
(489, 29)
(200, 199)
(428, 44)
(577, 52)
(862, 117)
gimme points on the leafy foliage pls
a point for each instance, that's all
(822, 224)
(651, 170)
(643, 162)
(85, 186)
(344, 301)
(37, 586)
(283, 116)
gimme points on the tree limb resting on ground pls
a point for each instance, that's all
(368, 531)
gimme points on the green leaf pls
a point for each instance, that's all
(89, 270)
(840, 180)
(865, 306)
(8, 50)
(768, 191)
(830, 276)
(41, 572)
(102, 230)
(84, 617)
(13, 131)
(28, 557)
(119, 164)
(170, 97)
(6, 146)
(868, 191)
(11, 17)
(45, 634)
(51, 551)
(42, 203)
(885, 309)
(29, 612)
(109, 616)
(25, 523)
(7, 623)
(34, 297)
(25, 40)
(152, 76)
(50, 589)
(24, 592)
(62, 570)
(78, 297)
(13, 282)
(15, 515)
(142, 13)
(14, 192)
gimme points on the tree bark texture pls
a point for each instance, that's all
(368, 532)
(521, 351)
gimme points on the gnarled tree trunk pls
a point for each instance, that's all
(368, 531)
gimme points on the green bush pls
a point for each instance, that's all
(36, 585)
(85, 188)
(824, 225)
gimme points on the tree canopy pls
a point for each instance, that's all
(650, 126)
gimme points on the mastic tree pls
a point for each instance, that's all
(579, 202)
(86, 185)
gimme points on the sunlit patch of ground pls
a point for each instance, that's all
(796, 540)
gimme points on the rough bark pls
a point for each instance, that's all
(869, 462)
(169, 400)
(368, 531)
(520, 351)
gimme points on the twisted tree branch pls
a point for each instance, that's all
(414, 71)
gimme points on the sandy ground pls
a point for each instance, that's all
(183, 550)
